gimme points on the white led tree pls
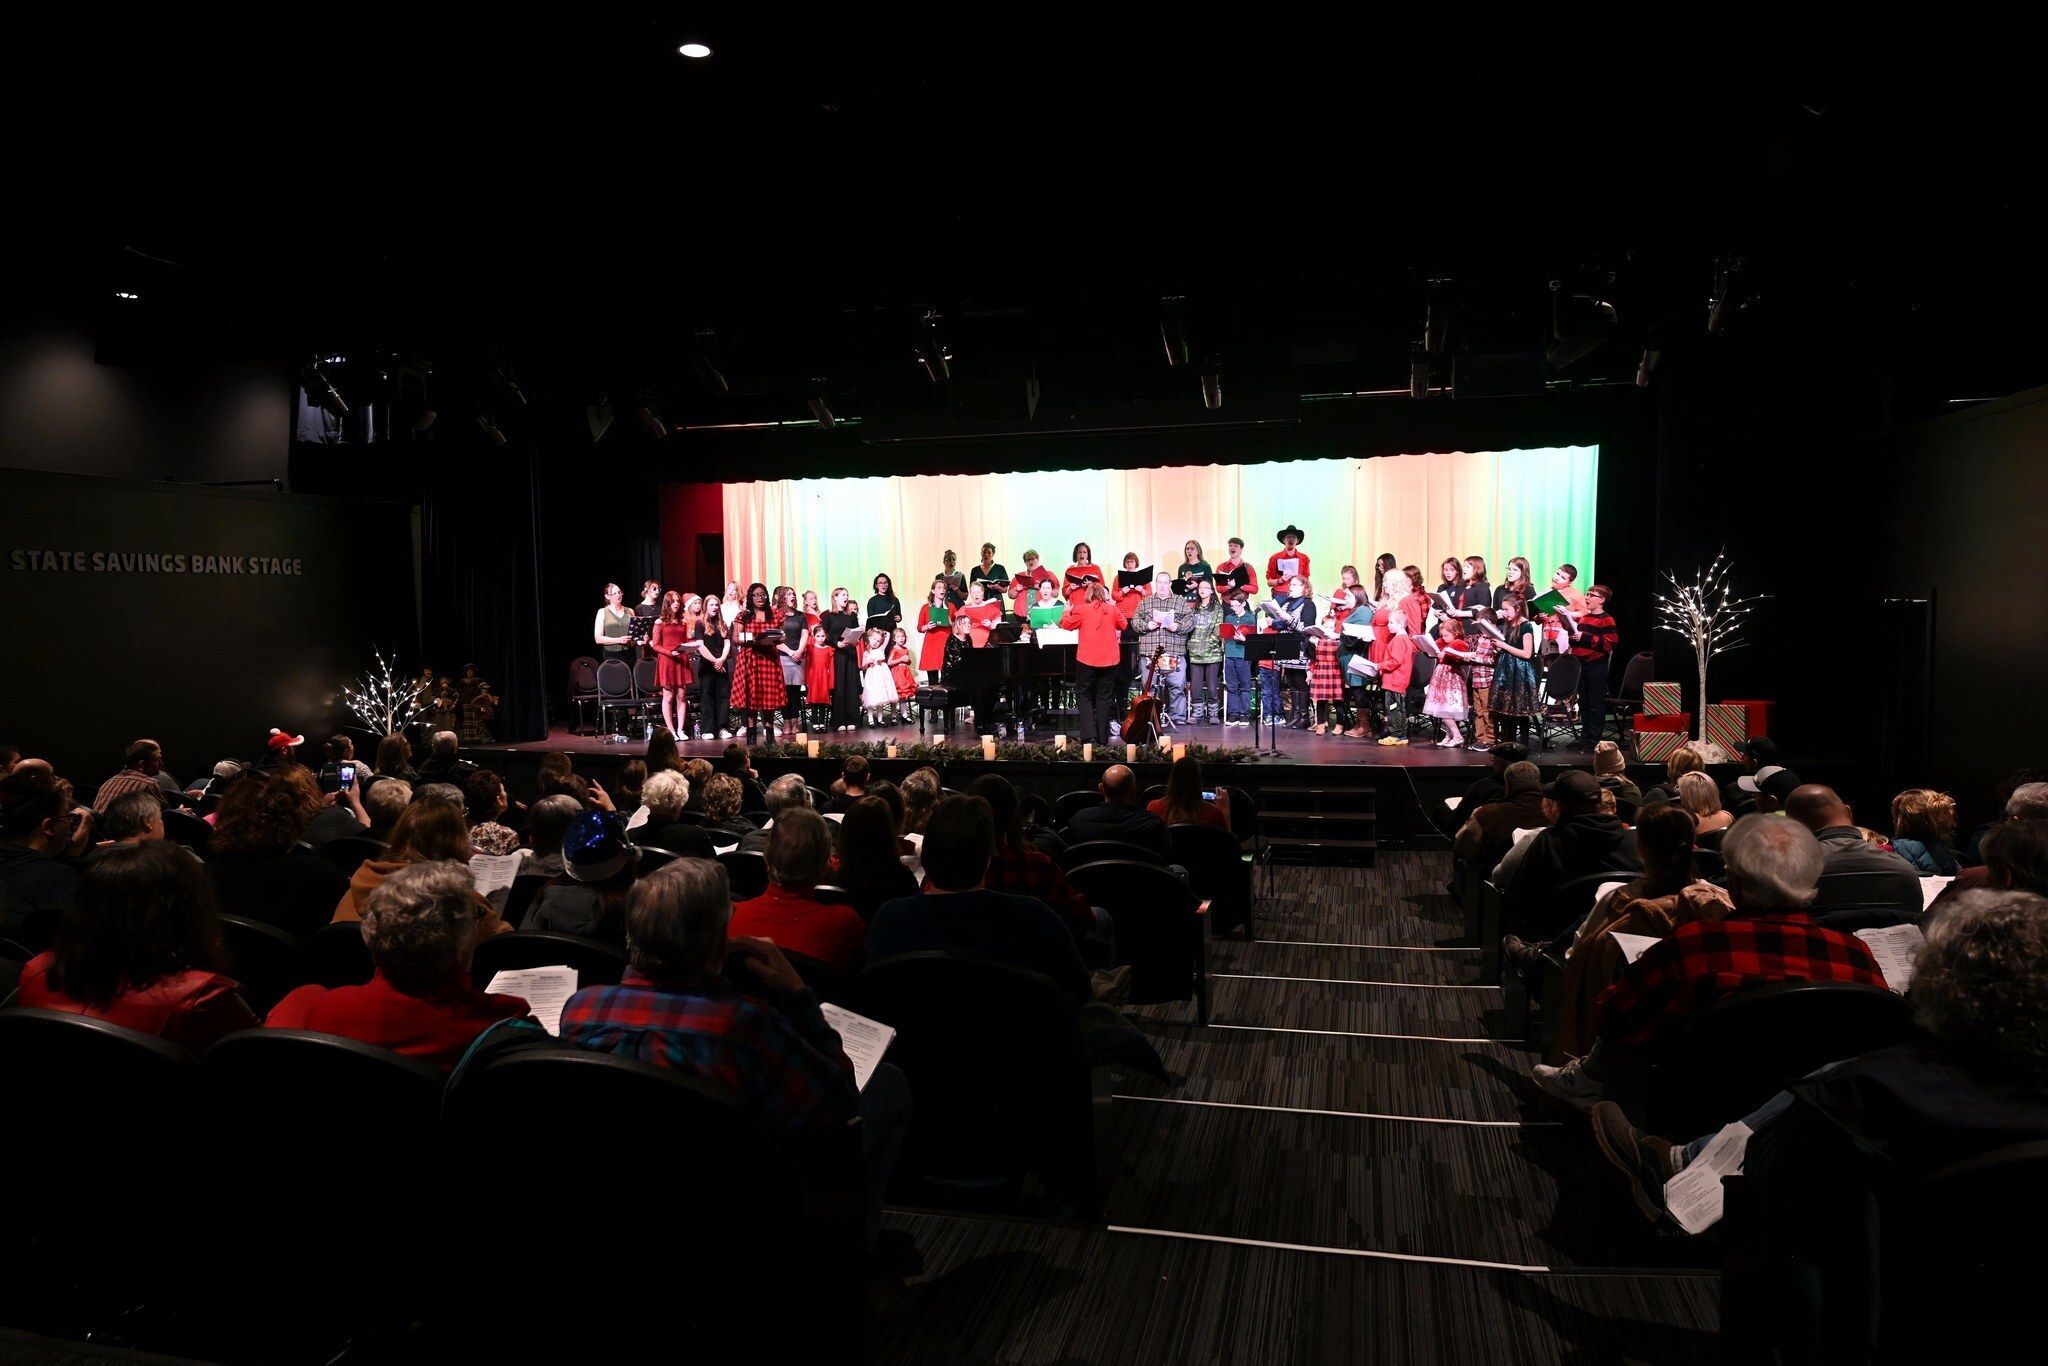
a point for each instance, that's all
(385, 702)
(1709, 617)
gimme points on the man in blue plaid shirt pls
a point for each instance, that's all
(768, 1043)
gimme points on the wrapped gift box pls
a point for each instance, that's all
(1662, 699)
(1728, 725)
(1759, 710)
(1659, 737)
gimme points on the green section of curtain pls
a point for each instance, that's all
(827, 533)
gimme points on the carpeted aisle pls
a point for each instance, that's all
(1353, 1168)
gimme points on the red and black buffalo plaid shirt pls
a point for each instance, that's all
(1025, 871)
(1703, 961)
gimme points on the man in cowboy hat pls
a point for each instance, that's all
(1288, 561)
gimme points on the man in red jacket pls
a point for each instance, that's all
(1097, 660)
(1288, 561)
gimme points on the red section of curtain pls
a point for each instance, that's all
(689, 511)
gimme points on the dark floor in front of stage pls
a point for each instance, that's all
(1516, 1186)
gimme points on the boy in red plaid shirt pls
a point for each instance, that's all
(1773, 866)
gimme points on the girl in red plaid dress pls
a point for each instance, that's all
(1325, 672)
(757, 687)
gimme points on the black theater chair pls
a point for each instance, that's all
(267, 961)
(1160, 929)
(596, 964)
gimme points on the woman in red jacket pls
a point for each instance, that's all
(1098, 658)
(934, 628)
(1288, 562)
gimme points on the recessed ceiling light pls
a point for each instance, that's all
(694, 50)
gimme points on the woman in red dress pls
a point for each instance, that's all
(757, 688)
(670, 641)
(934, 629)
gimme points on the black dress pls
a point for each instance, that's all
(885, 606)
(845, 668)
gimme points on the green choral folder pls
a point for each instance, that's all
(1549, 602)
(941, 617)
(1048, 614)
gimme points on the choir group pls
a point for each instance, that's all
(1472, 653)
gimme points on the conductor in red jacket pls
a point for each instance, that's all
(1098, 660)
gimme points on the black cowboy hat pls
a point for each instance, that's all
(1289, 530)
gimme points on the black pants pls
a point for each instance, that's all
(1095, 697)
(845, 690)
(1592, 699)
(717, 692)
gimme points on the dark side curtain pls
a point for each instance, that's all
(479, 579)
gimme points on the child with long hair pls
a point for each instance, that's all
(903, 675)
(1445, 699)
(877, 684)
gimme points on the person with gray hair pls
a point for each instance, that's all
(1773, 867)
(443, 792)
(788, 793)
(760, 1034)
(1889, 883)
(420, 926)
(789, 914)
(384, 803)
(132, 818)
(446, 764)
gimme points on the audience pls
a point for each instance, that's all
(1491, 786)
(1184, 803)
(866, 860)
(140, 948)
(920, 795)
(1763, 792)
(1025, 871)
(1897, 883)
(484, 796)
(253, 858)
(722, 822)
(547, 822)
(2025, 799)
(1685, 759)
(551, 778)
(1581, 840)
(588, 897)
(957, 913)
(1756, 755)
(851, 786)
(1773, 868)
(1698, 795)
(787, 793)
(135, 818)
(1118, 816)
(430, 831)
(421, 924)
(788, 914)
(38, 824)
(341, 749)
(1610, 766)
(445, 764)
(735, 763)
(1489, 831)
(760, 1035)
(699, 772)
(394, 760)
(343, 815)
(632, 781)
(2016, 856)
(383, 805)
(667, 796)
(139, 769)
(662, 752)
(1923, 828)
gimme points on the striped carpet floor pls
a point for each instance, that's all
(1350, 1166)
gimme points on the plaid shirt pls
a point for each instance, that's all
(1484, 649)
(1025, 871)
(786, 1066)
(1705, 960)
(1152, 636)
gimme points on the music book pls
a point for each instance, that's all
(1289, 566)
(1086, 574)
(851, 635)
(545, 991)
(1491, 629)
(881, 621)
(1358, 630)
(864, 1040)
(1426, 645)
(941, 617)
(1047, 614)
(1359, 664)
(1134, 578)
(1549, 602)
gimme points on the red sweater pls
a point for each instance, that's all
(1274, 578)
(1073, 592)
(834, 935)
(1101, 626)
(439, 1030)
(190, 1009)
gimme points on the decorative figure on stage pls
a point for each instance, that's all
(1288, 562)
(670, 642)
(477, 705)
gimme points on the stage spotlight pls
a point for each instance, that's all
(820, 409)
(1212, 386)
(1579, 323)
(321, 389)
(507, 388)
(695, 51)
(599, 416)
(707, 369)
(1173, 329)
(1645, 366)
(128, 296)
(651, 420)
(488, 422)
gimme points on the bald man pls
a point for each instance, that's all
(1885, 885)
(1121, 816)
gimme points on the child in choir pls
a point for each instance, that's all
(877, 684)
(1239, 621)
(1326, 669)
(811, 610)
(794, 654)
(904, 676)
(1445, 699)
(818, 668)
(934, 629)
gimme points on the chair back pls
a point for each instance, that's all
(1839, 895)
(182, 827)
(1158, 931)
(1154, 793)
(1217, 873)
(596, 964)
(652, 858)
(1571, 899)
(614, 680)
(758, 819)
(582, 676)
(1711, 840)
(1096, 851)
(1067, 803)
(1708, 864)
(1748, 1045)
(1641, 669)
(267, 961)
(748, 872)
(308, 1093)
(1561, 679)
(336, 956)
(819, 796)
(989, 1050)
(646, 680)
(348, 852)
(830, 895)
(1244, 814)
(829, 982)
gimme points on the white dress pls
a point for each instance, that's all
(877, 684)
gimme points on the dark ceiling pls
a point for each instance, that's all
(564, 196)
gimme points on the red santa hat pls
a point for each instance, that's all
(284, 739)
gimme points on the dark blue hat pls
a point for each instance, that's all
(596, 846)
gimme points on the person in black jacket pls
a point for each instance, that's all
(1489, 830)
(1896, 884)
(1492, 786)
(1580, 841)
(1119, 816)
(665, 794)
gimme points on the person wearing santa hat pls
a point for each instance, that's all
(282, 748)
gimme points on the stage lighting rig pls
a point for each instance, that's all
(814, 396)
(487, 422)
(1580, 320)
(650, 418)
(1173, 329)
(1212, 383)
(932, 352)
(313, 379)
(705, 367)
(1418, 371)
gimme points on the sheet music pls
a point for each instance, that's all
(1896, 948)
(1054, 635)
(1359, 664)
(494, 874)
(545, 991)
(1607, 887)
(1359, 630)
(1633, 946)
(864, 1040)
(1289, 566)
(1930, 888)
(1693, 1197)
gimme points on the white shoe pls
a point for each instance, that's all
(725, 735)
(1569, 1084)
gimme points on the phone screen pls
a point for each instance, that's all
(348, 775)
(1208, 796)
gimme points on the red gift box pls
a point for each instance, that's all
(1671, 722)
(1759, 714)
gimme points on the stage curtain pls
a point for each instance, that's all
(826, 533)
(480, 572)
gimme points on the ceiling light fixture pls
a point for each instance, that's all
(694, 51)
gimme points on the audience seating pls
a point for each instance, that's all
(831, 895)
(990, 1052)
(759, 819)
(1095, 851)
(182, 827)
(654, 856)
(596, 964)
(1064, 807)
(1244, 815)
(1749, 1044)
(1217, 873)
(1160, 930)
(748, 871)
(336, 956)
(347, 852)
(266, 960)
(829, 982)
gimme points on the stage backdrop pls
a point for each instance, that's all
(828, 533)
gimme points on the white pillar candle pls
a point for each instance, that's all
(988, 746)
(1130, 754)
(1088, 754)
(890, 749)
(811, 747)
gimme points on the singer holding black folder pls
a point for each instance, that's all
(1295, 612)
(1083, 571)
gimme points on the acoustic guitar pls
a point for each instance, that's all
(1141, 727)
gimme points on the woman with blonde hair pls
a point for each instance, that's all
(1698, 795)
(1923, 827)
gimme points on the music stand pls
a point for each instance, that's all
(1280, 647)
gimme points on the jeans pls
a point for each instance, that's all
(1099, 951)
(1269, 694)
(884, 1120)
(1237, 687)
(1202, 679)
(1592, 699)
(1095, 698)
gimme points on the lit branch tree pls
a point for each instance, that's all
(1709, 618)
(385, 702)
